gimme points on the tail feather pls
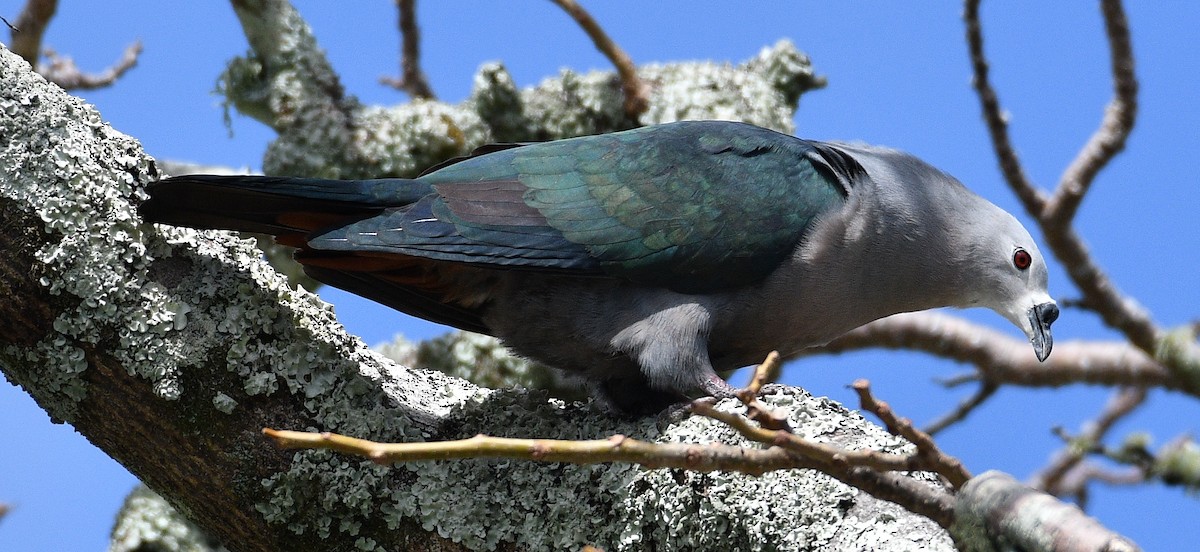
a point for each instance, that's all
(272, 205)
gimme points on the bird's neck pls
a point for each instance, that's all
(869, 267)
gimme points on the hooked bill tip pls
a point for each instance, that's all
(1041, 317)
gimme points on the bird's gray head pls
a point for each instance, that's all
(1009, 276)
(960, 248)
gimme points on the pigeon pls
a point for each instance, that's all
(649, 261)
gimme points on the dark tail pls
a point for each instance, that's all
(273, 205)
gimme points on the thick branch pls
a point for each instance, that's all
(994, 508)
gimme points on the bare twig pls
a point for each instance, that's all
(945, 465)
(1119, 117)
(62, 70)
(1055, 215)
(1120, 405)
(765, 373)
(636, 91)
(997, 122)
(1074, 482)
(1005, 360)
(960, 412)
(30, 27)
(618, 448)
(864, 469)
(412, 79)
(956, 380)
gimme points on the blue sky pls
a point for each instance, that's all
(898, 76)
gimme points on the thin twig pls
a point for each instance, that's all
(945, 465)
(765, 373)
(1120, 405)
(637, 93)
(868, 470)
(1119, 117)
(618, 448)
(32, 23)
(964, 408)
(412, 79)
(997, 122)
(1055, 215)
(963, 378)
(62, 70)
(1075, 482)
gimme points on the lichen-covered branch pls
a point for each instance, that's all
(147, 522)
(286, 82)
(1175, 463)
(636, 91)
(994, 512)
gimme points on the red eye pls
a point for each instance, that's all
(1022, 259)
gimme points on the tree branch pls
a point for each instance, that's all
(945, 465)
(31, 27)
(1119, 117)
(636, 91)
(997, 121)
(1055, 215)
(994, 508)
(964, 408)
(1004, 360)
(412, 79)
(1121, 404)
(61, 70)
